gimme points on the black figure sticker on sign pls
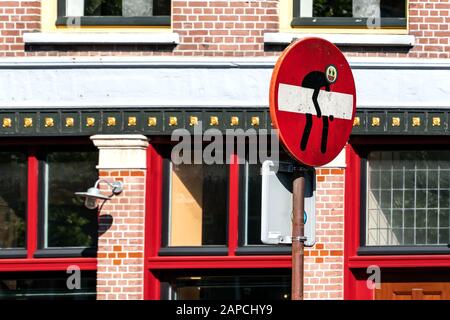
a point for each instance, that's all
(316, 80)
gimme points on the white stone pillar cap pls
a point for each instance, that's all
(121, 151)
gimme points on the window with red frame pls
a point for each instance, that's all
(44, 227)
(200, 206)
(405, 202)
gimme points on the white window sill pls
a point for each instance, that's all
(389, 40)
(101, 38)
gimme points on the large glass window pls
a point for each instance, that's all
(407, 198)
(66, 221)
(114, 12)
(242, 285)
(47, 285)
(350, 12)
(197, 204)
(13, 199)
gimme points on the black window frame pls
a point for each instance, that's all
(57, 252)
(342, 22)
(64, 20)
(165, 249)
(364, 250)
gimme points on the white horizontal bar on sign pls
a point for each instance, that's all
(299, 100)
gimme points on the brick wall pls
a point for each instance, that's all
(17, 17)
(120, 271)
(324, 263)
(429, 22)
(225, 28)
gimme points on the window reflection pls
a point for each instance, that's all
(13, 196)
(256, 286)
(198, 204)
(68, 223)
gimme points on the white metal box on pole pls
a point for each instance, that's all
(276, 204)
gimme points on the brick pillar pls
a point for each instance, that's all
(120, 264)
(324, 262)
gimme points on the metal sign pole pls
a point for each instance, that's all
(298, 235)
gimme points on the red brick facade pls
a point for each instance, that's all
(226, 28)
(120, 273)
(16, 18)
(324, 263)
(217, 29)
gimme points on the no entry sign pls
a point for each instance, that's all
(313, 100)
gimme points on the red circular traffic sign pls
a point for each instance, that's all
(313, 100)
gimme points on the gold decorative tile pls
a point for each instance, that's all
(193, 121)
(356, 122)
(173, 121)
(132, 121)
(396, 121)
(376, 121)
(70, 122)
(214, 121)
(90, 122)
(152, 121)
(234, 121)
(7, 123)
(436, 121)
(49, 122)
(111, 121)
(254, 121)
(415, 122)
(28, 122)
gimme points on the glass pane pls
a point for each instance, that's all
(433, 179)
(198, 206)
(232, 287)
(331, 8)
(444, 236)
(410, 179)
(409, 218)
(353, 8)
(253, 218)
(415, 188)
(444, 196)
(421, 236)
(103, 7)
(409, 237)
(46, 286)
(68, 223)
(397, 179)
(444, 218)
(13, 199)
(374, 179)
(409, 199)
(125, 8)
(421, 218)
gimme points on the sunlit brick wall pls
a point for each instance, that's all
(225, 28)
(120, 257)
(324, 263)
